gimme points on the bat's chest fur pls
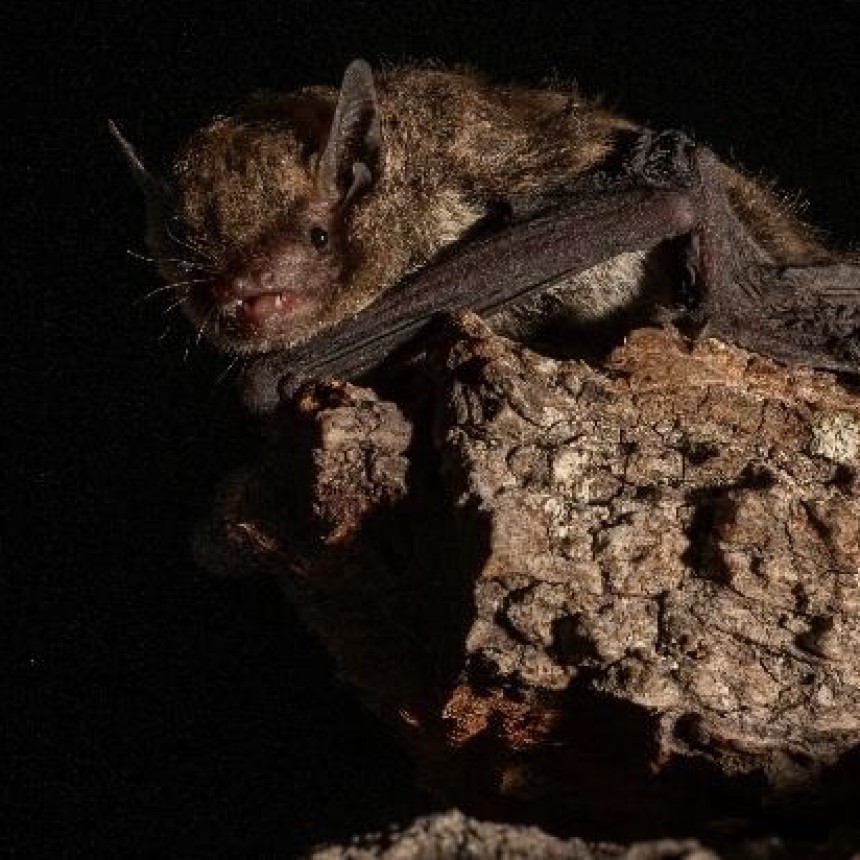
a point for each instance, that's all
(620, 285)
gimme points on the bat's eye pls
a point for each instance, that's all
(319, 238)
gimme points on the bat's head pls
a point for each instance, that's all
(251, 227)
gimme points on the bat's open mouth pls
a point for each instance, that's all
(257, 309)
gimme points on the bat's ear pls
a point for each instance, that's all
(351, 157)
(154, 189)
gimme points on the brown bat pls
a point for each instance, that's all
(319, 231)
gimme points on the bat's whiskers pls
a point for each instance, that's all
(182, 300)
(181, 287)
(209, 255)
(188, 266)
(227, 370)
(204, 325)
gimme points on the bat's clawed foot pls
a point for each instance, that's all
(664, 160)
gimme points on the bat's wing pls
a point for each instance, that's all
(822, 324)
(807, 315)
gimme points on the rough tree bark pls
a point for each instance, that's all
(610, 601)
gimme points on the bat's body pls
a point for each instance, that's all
(302, 215)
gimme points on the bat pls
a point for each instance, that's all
(317, 232)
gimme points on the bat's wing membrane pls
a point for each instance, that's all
(812, 316)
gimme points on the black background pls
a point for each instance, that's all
(148, 708)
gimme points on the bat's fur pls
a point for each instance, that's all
(453, 149)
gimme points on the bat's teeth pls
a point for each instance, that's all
(279, 301)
